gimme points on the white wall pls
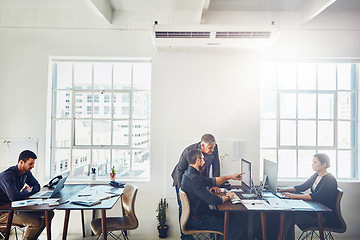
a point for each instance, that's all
(193, 92)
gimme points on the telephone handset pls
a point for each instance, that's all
(53, 181)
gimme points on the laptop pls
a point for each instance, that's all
(49, 194)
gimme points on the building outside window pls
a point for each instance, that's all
(307, 108)
(88, 102)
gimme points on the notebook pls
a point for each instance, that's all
(49, 194)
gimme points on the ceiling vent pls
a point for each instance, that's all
(210, 36)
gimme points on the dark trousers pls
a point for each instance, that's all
(214, 220)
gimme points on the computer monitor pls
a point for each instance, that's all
(271, 173)
(246, 177)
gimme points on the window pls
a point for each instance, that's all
(306, 108)
(89, 126)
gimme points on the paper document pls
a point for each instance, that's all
(25, 203)
(298, 204)
(254, 204)
(279, 204)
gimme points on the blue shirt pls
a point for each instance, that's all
(11, 182)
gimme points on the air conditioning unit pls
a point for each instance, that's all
(213, 36)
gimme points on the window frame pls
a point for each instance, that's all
(50, 168)
(354, 88)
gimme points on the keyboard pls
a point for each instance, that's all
(280, 195)
(235, 199)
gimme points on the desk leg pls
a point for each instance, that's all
(82, 222)
(103, 223)
(48, 224)
(8, 225)
(226, 225)
(282, 221)
(66, 224)
(263, 225)
(93, 218)
(321, 229)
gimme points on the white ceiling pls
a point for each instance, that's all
(141, 14)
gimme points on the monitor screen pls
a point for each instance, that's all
(246, 177)
(271, 172)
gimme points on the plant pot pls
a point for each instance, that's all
(112, 176)
(163, 231)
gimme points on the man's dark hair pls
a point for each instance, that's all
(193, 155)
(25, 155)
(323, 158)
(208, 139)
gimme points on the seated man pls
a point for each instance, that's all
(17, 183)
(195, 186)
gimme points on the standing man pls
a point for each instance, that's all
(210, 151)
(17, 183)
(195, 186)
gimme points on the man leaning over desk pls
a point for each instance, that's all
(17, 183)
(195, 186)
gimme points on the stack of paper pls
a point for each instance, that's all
(253, 204)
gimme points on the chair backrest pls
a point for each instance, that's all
(341, 221)
(185, 212)
(128, 205)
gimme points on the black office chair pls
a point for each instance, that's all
(338, 227)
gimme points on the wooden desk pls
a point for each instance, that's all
(228, 207)
(103, 206)
(42, 207)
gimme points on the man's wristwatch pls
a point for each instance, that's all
(228, 196)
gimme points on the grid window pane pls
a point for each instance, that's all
(268, 104)
(306, 76)
(63, 77)
(61, 159)
(326, 133)
(304, 163)
(62, 102)
(344, 76)
(81, 162)
(102, 75)
(82, 75)
(326, 76)
(268, 133)
(315, 107)
(287, 133)
(111, 106)
(344, 169)
(345, 108)
(344, 134)
(82, 132)
(325, 106)
(121, 133)
(287, 163)
(287, 76)
(307, 133)
(306, 106)
(288, 105)
(122, 75)
(61, 133)
(101, 161)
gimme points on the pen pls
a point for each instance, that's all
(64, 202)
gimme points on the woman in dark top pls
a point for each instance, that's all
(323, 186)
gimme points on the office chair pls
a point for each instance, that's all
(128, 221)
(339, 227)
(14, 228)
(185, 213)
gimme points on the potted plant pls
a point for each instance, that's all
(113, 173)
(161, 217)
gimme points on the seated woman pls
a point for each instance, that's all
(323, 186)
